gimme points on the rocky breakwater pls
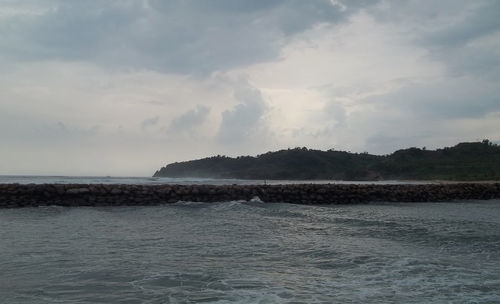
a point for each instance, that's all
(32, 195)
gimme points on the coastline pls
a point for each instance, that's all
(34, 195)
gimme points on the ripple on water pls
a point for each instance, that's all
(252, 252)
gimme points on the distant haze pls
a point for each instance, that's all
(124, 87)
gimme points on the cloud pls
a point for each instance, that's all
(47, 133)
(239, 123)
(189, 120)
(150, 122)
(187, 37)
(480, 18)
(89, 84)
(463, 34)
(442, 99)
(335, 113)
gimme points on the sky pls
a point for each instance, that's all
(124, 87)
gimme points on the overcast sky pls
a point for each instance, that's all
(124, 87)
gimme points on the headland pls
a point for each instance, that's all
(468, 161)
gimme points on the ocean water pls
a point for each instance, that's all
(28, 179)
(252, 252)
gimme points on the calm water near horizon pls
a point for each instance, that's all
(30, 179)
(250, 252)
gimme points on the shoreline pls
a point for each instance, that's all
(34, 195)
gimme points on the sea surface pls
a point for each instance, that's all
(248, 251)
(29, 179)
(252, 252)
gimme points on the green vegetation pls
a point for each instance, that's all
(465, 161)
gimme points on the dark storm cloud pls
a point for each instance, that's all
(464, 36)
(482, 19)
(173, 36)
(199, 37)
(455, 44)
(450, 31)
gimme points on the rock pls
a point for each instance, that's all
(77, 190)
(116, 191)
(15, 195)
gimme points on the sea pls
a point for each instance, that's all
(249, 251)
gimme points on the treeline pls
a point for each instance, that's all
(464, 161)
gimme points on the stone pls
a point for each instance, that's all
(77, 190)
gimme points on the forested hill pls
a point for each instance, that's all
(465, 161)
